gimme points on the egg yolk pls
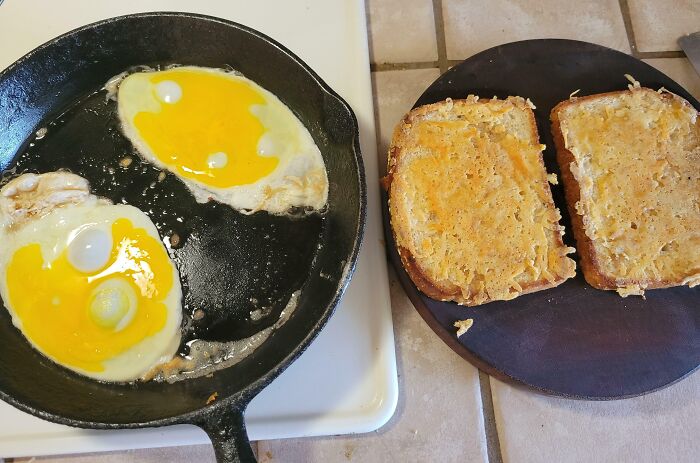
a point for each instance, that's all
(81, 319)
(205, 129)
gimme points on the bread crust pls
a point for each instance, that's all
(584, 245)
(572, 192)
(425, 284)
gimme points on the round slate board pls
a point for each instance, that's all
(572, 340)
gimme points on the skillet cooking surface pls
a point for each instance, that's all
(230, 263)
(572, 340)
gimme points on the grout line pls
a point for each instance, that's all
(381, 157)
(629, 29)
(659, 54)
(493, 444)
(378, 67)
(368, 32)
(381, 67)
(627, 20)
(440, 35)
(444, 64)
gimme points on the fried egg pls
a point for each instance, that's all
(226, 137)
(87, 282)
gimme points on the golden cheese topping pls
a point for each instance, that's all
(476, 207)
(637, 162)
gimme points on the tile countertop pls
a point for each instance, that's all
(449, 411)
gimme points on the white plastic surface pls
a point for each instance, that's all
(346, 381)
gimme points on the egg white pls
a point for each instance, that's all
(54, 231)
(300, 178)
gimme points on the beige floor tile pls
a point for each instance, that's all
(401, 31)
(657, 24)
(659, 427)
(438, 418)
(184, 454)
(394, 94)
(474, 25)
(680, 70)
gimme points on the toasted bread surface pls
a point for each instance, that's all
(471, 210)
(630, 163)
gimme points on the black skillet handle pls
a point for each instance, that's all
(226, 428)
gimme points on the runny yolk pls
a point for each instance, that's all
(83, 319)
(205, 129)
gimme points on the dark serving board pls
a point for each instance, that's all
(572, 340)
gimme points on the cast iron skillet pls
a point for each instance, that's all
(572, 340)
(229, 263)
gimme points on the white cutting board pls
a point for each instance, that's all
(346, 381)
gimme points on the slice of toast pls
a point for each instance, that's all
(630, 163)
(471, 210)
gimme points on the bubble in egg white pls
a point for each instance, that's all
(266, 145)
(168, 91)
(90, 250)
(113, 304)
(217, 160)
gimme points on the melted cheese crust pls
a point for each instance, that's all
(637, 164)
(471, 203)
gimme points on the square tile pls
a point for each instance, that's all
(472, 26)
(395, 92)
(401, 31)
(658, 427)
(439, 414)
(184, 454)
(658, 24)
(680, 70)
